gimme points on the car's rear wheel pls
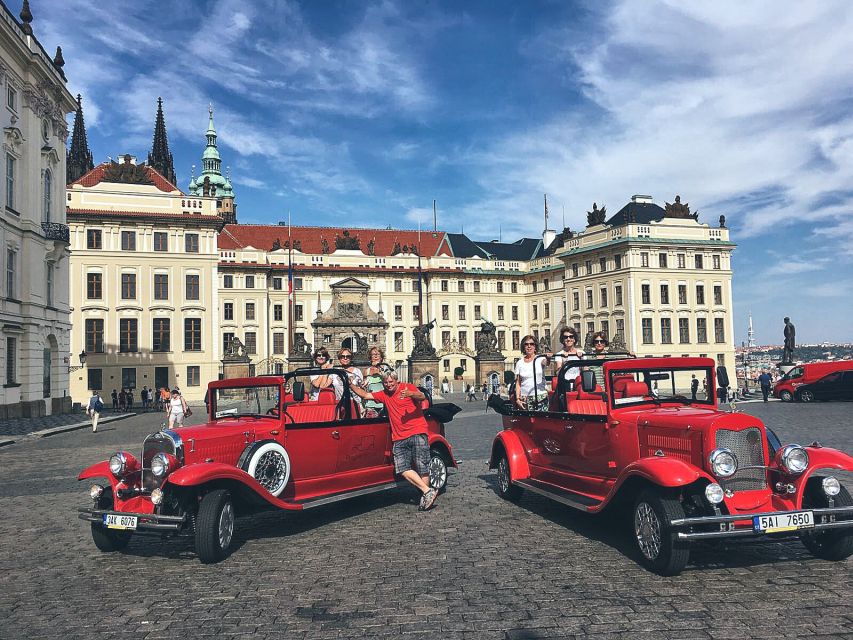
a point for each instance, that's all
(656, 539)
(786, 396)
(506, 488)
(437, 470)
(109, 540)
(806, 396)
(834, 544)
(214, 529)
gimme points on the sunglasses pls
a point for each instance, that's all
(598, 341)
(529, 344)
(568, 338)
(345, 356)
(320, 355)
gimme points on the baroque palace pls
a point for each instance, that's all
(164, 280)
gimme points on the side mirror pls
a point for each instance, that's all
(298, 391)
(588, 380)
(722, 377)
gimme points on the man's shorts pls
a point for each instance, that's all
(412, 453)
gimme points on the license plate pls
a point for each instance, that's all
(773, 523)
(119, 521)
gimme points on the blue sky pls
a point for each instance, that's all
(362, 113)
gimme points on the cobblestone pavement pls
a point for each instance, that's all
(474, 567)
(17, 427)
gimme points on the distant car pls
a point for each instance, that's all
(787, 385)
(835, 386)
(265, 446)
(683, 469)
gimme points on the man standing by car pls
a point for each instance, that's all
(694, 387)
(764, 380)
(408, 431)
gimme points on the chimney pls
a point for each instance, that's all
(642, 199)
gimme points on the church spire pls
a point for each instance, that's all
(160, 158)
(79, 158)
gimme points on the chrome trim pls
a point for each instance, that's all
(743, 533)
(785, 451)
(179, 444)
(318, 502)
(686, 522)
(557, 497)
(717, 452)
(149, 521)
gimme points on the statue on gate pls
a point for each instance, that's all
(423, 346)
(487, 340)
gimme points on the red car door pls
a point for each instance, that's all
(365, 443)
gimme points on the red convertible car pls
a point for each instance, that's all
(683, 469)
(265, 446)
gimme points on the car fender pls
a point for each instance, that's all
(196, 475)
(662, 471)
(821, 458)
(519, 468)
(441, 441)
(97, 470)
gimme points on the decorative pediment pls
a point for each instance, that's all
(50, 155)
(350, 283)
(13, 139)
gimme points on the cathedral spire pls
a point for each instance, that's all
(160, 158)
(79, 158)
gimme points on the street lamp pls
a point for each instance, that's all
(82, 357)
(745, 355)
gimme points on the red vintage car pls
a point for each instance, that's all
(265, 446)
(685, 469)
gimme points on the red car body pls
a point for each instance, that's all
(630, 445)
(291, 453)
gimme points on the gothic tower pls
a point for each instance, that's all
(160, 158)
(211, 182)
(79, 158)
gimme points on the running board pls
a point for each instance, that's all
(568, 498)
(319, 502)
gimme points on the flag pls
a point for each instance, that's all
(289, 261)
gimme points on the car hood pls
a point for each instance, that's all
(695, 417)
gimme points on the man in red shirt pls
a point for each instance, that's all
(408, 432)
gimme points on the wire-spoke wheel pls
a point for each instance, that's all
(657, 541)
(437, 471)
(506, 488)
(269, 464)
(647, 530)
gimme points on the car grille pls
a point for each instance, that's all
(160, 442)
(748, 446)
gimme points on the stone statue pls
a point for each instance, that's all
(235, 350)
(722, 222)
(790, 333)
(361, 343)
(126, 172)
(300, 347)
(617, 344)
(325, 245)
(423, 346)
(396, 249)
(588, 346)
(487, 340)
(544, 345)
(596, 216)
(276, 245)
(677, 210)
(347, 241)
(371, 247)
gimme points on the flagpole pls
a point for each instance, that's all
(420, 281)
(289, 284)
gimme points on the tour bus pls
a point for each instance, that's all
(786, 386)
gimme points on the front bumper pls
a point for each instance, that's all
(144, 521)
(723, 526)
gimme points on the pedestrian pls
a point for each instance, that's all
(408, 432)
(764, 380)
(445, 385)
(115, 401)
(570, 351)
(143, 396)
(530, 391)
(694, 387)
(176, 409)
(122, 400)
(94, 408)
(151, 399)
(164, 398)
(129, 398)
(485, 391)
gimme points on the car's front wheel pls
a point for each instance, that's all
(786, 396)
(656, 539)
(806, 396)
(109, 540)
(506, 488)
(214, 529)
(437, 471)
(834, 544)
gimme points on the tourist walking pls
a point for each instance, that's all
(143, 396)
(122, 400)
(129, 398)
(94, 408)
(764, 380)
(115, 401)
(176, 409)
(530, 391)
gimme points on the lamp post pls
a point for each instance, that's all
(82, 357)
(745, 355)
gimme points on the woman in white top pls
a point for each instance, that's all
(324, 381)
(569, 340)
(176, 409)
(530, 391)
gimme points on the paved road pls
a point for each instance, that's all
(475, 567)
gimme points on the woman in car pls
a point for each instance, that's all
(373, 381)
(325, 381)
(570, 351)
(530, 391)
(354, 373)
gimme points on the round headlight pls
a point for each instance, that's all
(96, 490)
(157, 496)
(714, 493)
(831, 486)
(723, 463)
(794, 458)
(118, 464)
(160, 465)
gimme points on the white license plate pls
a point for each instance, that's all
(772, 523)
(119, 521)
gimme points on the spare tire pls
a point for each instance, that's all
(268, 463)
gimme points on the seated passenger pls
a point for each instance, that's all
(569, 340)
(354, 374)
(530, 391)
(372, 381)
(320, 381)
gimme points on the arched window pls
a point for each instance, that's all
(48, 180)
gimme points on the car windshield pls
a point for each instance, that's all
(670, 384)
(796, 372)
(245, 401)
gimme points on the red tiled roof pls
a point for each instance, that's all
(238, 236)
(96, 176)
(104, 213)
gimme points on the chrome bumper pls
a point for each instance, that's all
(824, 519)
(144, 521)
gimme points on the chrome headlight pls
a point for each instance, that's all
(714, 493)
(831, 486)
(118, 464)
(723, 463)
(160, 465)
(95, 491)
(157, 496)
(794, 458)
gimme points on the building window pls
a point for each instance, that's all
(533, 284)
(535, 312)
(603, 296)
(514, 312)
(128, 378)
(128, 286)
(500, 287)
(587, 267)
(191, 243)
(228, 282)
(701, 330)
(700, 294)
(516, 340)
(646, 293)
(128, 241)
(500, 312)
(445, 312)
(49, 272)
(48, 187)
(647, 331)
(718, 294)
(682, 294)
(128, 335)
(501, 340)
(605, 327)
(684, 330)
(227, 339)
(10, 181)
(161, 241)
(697, 261)
(445, 337)
(161, 333)
(298, 315)
(620, 327)
(93, 239)
(461, 286)
(11, 360)
(461, 311)
(617, 259)
(574, 269)
(716, 261)
(398, 341)
(662, 260)
(444, 285)
(576, 300)
(94, 288)
(617, 295)
(278, 313)
(250, 311)
(664, 294)
(278, 342)
(463, 338)
(161, 286)
(228, 310)
(476, 286)
(277, 284)
(682, 261)
(446, 365)
(398, 312)
(251, 341)
(644, 259)
(192, 287)
(94, 335)
(297, 284)
(719, 330)
(192, 334)
(250, 282)
(11, 274)
(590, 327)
(546, 311)
(12, 101)
(477, 312)
(194, 376)
(602, 264)
(95, 379)
(589, 304)
(513, 287)
(398, 286)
